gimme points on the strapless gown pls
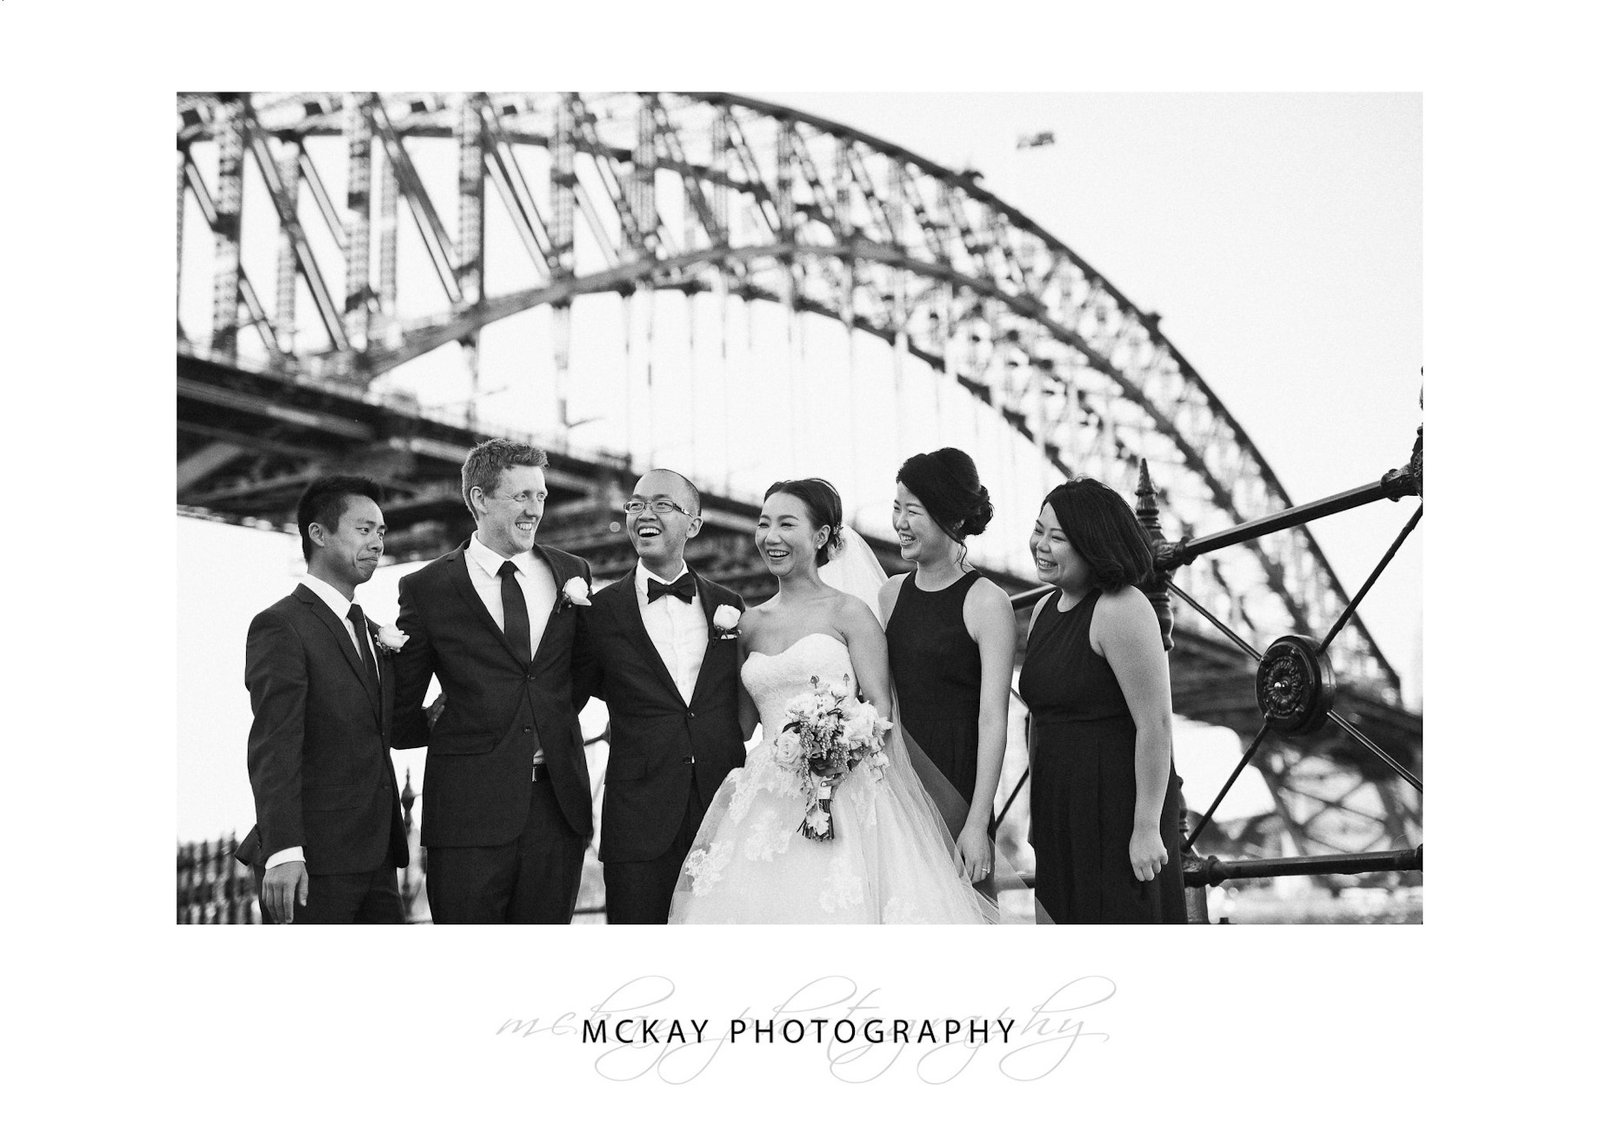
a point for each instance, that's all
(890, 861)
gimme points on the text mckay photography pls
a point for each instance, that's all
(855, 1032)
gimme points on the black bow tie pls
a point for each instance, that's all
(682, 587)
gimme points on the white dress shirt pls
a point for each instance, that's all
(335, 601)
(538, 585)
(534, 576)
(678, 629)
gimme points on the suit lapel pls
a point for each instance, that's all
(560, 571)
(707, 595)
(461, 576)
(342, 638)
(385, 682)
(633, 629)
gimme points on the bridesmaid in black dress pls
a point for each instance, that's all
(1094, 677)
(952, 643)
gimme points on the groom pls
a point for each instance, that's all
(666, 661)
(506, 811)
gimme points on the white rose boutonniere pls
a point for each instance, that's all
(391, 639)
(574, 593)
(725, 620)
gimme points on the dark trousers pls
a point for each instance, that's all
(640, 891)
(530, 880)
(345, 898)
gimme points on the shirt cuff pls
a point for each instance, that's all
(284, 856)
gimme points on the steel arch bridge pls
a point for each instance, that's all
(292, 210)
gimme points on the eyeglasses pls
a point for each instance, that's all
(658, 507)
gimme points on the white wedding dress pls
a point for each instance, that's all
(890, 861)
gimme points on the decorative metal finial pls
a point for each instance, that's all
(1149, 517)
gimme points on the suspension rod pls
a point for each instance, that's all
(1216, 622)
(1338, 625)
(1006, 808)
(1404, 773)
(1261, 734)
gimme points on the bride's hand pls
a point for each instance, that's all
(973, 853)
(832, 778)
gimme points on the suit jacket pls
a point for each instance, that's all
(497, 711)
(654, 732)
(319, 743)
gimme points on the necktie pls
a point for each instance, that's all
(359, 622)
(682, 587)
(516, 609)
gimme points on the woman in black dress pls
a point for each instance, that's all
(952, 643)
(1094, 677)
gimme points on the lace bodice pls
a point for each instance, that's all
(773, 679)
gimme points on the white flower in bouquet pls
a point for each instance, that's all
(804, 707)
(786, 747)
(820, 823)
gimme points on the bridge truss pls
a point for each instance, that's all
(296, 309)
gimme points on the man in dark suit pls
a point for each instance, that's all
(328, 834)
(506, 810)
(665, 657)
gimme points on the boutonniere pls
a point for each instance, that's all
(725, 621)
(390, 639)
(574, 593)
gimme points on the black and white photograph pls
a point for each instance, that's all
(663, 353)
(916, 520)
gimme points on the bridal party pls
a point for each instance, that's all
(831, 755)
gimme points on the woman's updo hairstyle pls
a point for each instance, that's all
(823, 508)
(946, 481)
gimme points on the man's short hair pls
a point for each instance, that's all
(324, 502)
(694, 493)
(488, 461)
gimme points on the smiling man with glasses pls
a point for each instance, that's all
(666, 661)
(506, 809)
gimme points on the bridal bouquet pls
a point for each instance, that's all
(822, 742)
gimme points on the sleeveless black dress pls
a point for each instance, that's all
(938, 674)
(1084, 787)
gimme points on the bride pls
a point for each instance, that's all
(890, 859)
